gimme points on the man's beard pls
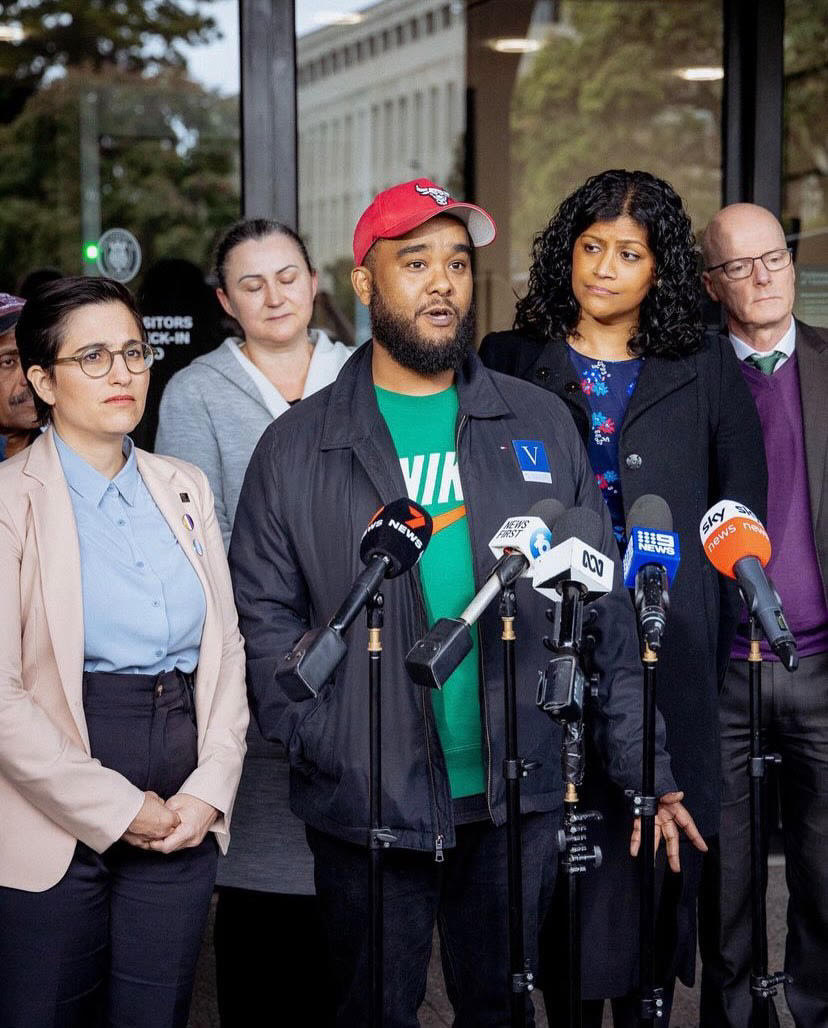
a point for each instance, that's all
(412, 349)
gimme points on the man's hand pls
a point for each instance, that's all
(153, 822)
(671, 815)
(195, 817)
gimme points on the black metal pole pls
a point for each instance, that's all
(759, 940)
(520, 977)
(763, 984)
(576, 1018)
(378, 837)
(652, 998)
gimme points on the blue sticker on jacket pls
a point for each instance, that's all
(532, 460)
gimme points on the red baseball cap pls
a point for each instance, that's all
(402, 208)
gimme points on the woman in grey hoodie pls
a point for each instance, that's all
(212, 413)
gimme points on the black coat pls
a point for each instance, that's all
(690, 434)
(316, 478)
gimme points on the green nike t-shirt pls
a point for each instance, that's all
(423, 428)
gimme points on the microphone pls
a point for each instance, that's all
(518, 542)
(577, 558)
(650, 564)
(391, 544)
(738, 546)
(571, 572)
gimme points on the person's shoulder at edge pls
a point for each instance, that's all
(509, 351)
(201, 371)
(531, 403)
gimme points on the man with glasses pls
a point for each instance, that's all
(748, 270)
(18, 420)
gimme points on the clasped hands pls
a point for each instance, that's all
(180, 823)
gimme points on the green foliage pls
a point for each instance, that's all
(168, 169)
(134, 35)
(603, 93)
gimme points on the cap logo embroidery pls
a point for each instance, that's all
(439, 196)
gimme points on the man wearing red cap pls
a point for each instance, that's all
(414, 413)
(18, 420)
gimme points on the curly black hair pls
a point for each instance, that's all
(669, 323)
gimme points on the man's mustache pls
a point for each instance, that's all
(24, 396)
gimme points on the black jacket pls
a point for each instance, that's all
(317, 476)
(691, 434)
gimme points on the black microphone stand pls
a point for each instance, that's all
(651, 601)
(763, 985)
(521, 978)
(561, 696)
(645, 806)
(379, 837)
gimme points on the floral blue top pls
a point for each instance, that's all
(608, 386)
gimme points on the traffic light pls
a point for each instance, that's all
(90, 252)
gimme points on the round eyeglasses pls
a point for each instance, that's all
(96, 361)
(742, 267)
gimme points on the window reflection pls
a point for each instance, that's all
(104, 123)
(805, 174)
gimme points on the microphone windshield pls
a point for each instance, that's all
(730, 531)
(580, 523)
(399, 531)
(548, 510)
(652, 512)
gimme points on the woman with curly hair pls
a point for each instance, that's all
(611, 324)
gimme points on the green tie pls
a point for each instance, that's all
(767, 363)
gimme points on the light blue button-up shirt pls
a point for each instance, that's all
(143, 603)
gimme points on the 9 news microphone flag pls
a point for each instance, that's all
(650, 563)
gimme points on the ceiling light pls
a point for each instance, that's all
(514, 45)
(700, 74)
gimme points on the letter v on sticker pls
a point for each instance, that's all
(532, 460)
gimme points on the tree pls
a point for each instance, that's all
(168, 169)
(130, 35)
(604, 93)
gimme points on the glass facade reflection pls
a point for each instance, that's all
(805, 154)
(112, 119)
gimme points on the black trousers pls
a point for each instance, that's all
(272, 960)
(115, 942)
(795, 724)
(465, 896)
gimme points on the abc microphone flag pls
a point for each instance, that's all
(738, 546)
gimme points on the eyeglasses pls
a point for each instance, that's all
(742, 267)
(97, 361)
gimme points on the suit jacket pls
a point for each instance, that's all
(812, 355)
(690, 434)
(52, 792)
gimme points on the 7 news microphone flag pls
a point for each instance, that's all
(392, 544)
(738, 546)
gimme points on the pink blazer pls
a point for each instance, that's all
(52, 792)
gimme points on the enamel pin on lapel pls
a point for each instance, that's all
(189, 524)
(185, 497)
(198, 547)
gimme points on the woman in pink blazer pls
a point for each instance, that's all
(122, 699)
